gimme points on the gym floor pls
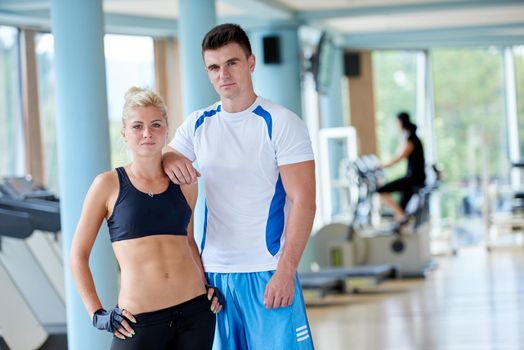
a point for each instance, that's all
(474, 300)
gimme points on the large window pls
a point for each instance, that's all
(519, 76)
(12, 159)
(129, 62)
(470, 126)
(46, 99)
(395, 81)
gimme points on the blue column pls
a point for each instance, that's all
(196, 18)
(83, 150)
(278, 82)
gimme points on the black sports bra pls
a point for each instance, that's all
(137, 214)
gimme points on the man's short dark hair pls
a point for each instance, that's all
(224, 34)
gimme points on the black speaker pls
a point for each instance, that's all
(271, 49)
(351, 64)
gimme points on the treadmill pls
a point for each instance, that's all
(20, 195)
(30, 268)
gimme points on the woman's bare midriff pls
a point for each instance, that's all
(156, 272)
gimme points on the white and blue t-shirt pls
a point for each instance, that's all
(239, 155)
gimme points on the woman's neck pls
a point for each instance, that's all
(147, 168)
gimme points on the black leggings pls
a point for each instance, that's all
(407, 186)
(190, 325)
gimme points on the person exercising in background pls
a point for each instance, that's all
(413, 151)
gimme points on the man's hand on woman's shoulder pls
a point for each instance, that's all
(179, 169)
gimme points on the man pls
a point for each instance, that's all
(258, 170)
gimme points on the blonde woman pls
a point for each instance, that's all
(162, 303)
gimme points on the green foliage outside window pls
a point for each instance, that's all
(470, 115)
(395, 78)
(470, 120)
(519, 75)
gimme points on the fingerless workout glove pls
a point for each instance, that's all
(216, 293)
(108, 320)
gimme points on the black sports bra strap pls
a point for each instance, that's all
(122, 176)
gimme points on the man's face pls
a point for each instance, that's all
(229, 70)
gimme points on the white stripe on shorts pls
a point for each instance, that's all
(304, 332)
(301, 328)
(303, 338)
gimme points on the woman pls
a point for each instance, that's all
(162, 302)
(415, 177)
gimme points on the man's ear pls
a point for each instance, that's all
(251, 61)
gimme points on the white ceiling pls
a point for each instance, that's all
(308, 5)
(161, 8)
(428, 20)
(360, 23)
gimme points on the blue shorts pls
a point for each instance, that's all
(245, 323)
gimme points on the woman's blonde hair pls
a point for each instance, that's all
(138, 97)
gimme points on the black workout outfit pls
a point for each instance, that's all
(189, 325)
(415, 175)
(138, 214)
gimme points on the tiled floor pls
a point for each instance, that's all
(473, 301)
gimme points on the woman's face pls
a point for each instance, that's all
(399, 124)
(145, 131)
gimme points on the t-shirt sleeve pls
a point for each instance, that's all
(183, 141)
(291, 140)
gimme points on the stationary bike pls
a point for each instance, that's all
(408, 243)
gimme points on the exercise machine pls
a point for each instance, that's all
(31, 271)
(332, 268)
(408, 245)
(367, 240)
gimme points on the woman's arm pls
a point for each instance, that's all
(403, 154)
(93, 213)
(191, 194)
(101, 194)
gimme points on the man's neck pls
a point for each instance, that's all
(238, 104)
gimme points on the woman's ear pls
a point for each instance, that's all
(123, 134)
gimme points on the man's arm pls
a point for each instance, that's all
(299, 183)
(179, 169)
